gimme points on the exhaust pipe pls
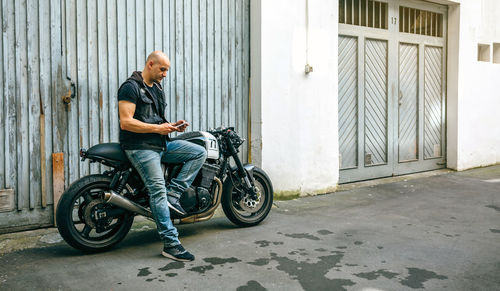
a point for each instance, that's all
(120, 201)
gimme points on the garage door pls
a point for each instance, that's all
(47, 45)
(391, 88)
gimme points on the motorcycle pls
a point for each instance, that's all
(97, 211)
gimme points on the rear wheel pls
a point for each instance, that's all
(76, 216)
(240, 208)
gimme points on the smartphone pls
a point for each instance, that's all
(181, 125)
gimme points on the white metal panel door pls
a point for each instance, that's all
(391, 88)
(420, 105)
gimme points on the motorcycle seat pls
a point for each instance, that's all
(107, 151)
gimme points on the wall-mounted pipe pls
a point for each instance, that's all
(308, 68)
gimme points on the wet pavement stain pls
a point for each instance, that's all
(172, 266)
(201, 269)
(221, 261)
(324, 232)
(263, 243)
(251, 286)
(144, 272)
(376, 274)
(260, 262)
(497, 208)
(417, 277)
(302, 235)
(495, 230)
(312, 276)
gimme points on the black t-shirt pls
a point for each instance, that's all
(150, 107)
(128, 92)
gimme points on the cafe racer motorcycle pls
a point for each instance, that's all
(97, 211)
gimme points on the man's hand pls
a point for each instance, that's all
(166, 128)
(180, 125)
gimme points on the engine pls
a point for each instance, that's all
(198, 197)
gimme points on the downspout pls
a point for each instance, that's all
(308, 68)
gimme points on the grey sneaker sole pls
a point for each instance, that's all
(167, 255)
(175, 209)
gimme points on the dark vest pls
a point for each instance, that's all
(149, 109)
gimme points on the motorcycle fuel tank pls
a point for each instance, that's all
(204, 139)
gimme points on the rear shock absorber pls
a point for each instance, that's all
(123, 181)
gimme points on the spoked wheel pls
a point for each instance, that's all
(240, 208)
(82, 220)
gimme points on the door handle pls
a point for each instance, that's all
(71, 93)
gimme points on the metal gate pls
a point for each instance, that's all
(391, 88)
(47, 45)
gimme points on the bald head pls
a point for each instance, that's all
(157, 56)
(156, 67)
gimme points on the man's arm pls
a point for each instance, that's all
(126, 110)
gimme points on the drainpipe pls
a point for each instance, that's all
(308, 68)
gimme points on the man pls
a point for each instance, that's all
(144, 137)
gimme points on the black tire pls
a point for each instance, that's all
(237, 211)
(87, 191)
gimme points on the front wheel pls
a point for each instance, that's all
(240, 208)
(76, 216)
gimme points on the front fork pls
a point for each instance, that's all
(244, 172)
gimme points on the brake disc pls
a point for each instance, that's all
(249, 204)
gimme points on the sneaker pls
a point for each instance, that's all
(177, 253)
(173, 203)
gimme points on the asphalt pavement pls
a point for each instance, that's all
(435, 233)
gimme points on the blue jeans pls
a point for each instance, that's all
(148, 165)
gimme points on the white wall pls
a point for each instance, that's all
(294, 115)
(298, 112)
(475, 106)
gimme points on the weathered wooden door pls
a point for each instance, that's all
(207, 84)
(46, 45)
(31, 116)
